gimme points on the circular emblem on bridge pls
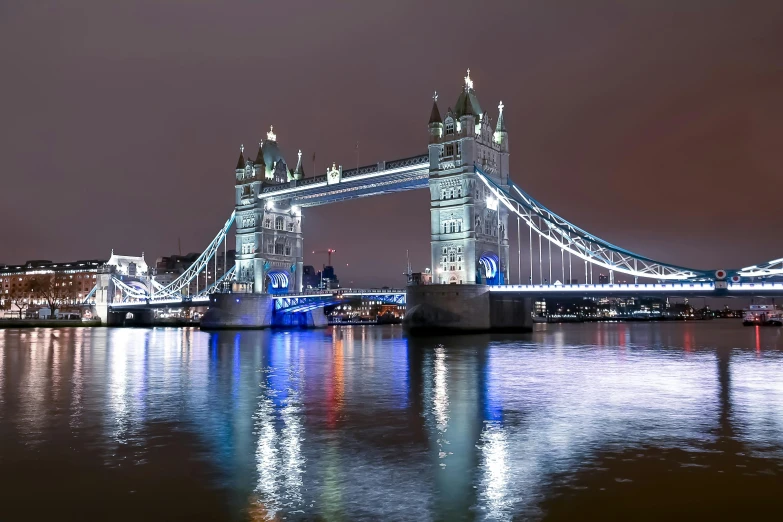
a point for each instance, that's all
(735, 278)
(720, 274)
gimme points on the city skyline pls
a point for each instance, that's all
(129, 143)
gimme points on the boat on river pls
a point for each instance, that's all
(762, 315)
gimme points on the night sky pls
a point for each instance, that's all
(655, 125)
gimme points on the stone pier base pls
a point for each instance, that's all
(234, 311)
(465, 308)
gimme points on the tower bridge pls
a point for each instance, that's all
(474, 204)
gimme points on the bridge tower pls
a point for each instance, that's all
(469, 228)
(269, 249)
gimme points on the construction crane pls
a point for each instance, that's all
(328, 252)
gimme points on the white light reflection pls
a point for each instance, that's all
(127, 384)
(33, 390)
(436, 393)
(77, 380)
(440, 404)
(278, 425)
(493, 486)
(562, 405)
(757, 401)
(2, 371)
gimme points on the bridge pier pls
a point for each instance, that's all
(465, 309)
(104, 294)
(235, 311)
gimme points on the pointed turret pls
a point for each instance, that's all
(501, 125)
(501, 134)
(299, 170)
(436, 122)
(241, 160)
(259, 161)
(435, 114)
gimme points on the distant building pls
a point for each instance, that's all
(169, 268)
(15, 280)
(328, 278)
(420, 278)
(310, 278)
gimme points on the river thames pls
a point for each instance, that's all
(624, 421)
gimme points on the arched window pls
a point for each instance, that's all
(279, 222)
(453, 227)
(449, 126)
(452, 256)
(445, 225)
(268, 223)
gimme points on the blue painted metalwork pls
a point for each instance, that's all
(490, 262)
(309, 302)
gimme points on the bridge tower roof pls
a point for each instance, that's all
(241, 160)
(260, 155)
(270, 153)
(435, 114)
(467, 103)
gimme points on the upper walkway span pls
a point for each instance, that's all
(371, 180)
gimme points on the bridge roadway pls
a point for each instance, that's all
(305, 301)
(283, 302)
(685, 289)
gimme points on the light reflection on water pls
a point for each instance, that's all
(360, 423)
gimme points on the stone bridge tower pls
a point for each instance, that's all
(469, 228)
(269, 247)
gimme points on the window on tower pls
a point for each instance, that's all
(449, 126)
(279, 221)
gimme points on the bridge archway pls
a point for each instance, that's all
(489, 269)
(278, 281)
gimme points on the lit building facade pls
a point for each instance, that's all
(269, 249)
(469, 228)
(78, 276)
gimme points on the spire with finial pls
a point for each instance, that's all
(299, 170)
(501, 134)
(260, 155)
(241, 160)
(435, 114)
(468, 82)
(501, 124)
(271, 136)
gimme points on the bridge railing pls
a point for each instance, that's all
(605, 287)
(342, 291)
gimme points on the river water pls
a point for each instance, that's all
(605, 421)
